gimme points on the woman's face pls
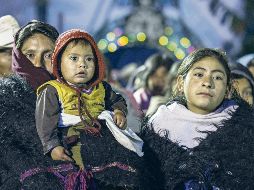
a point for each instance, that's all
(244, 89)
(205, 85)
(78, 63)
(38, 49)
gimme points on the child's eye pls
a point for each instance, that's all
(73, 58)
(89, 59)
(198, 75)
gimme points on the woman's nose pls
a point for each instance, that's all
(208, 82)
(38, 61)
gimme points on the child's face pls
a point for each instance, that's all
(205, 85)
(244, 89)
(78, 63)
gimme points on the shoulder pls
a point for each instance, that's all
(16, 93)
(105, 85)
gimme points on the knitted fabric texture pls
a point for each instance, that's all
(63, 40)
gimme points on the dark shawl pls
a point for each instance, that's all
(22, 66)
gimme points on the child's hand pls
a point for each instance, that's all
(120, 119)
(60, 153)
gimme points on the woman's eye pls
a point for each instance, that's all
(48, 55)
(30, 55)
(218, 78)
(73, 58)
(198, 74)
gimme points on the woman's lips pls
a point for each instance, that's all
(205, 94)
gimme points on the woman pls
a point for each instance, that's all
(20, 145)
(207, 126)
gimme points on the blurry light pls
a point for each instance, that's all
(122, 41)
(190, 49)
(118, 32)
(168, 31)
(132, 37)
(172, 46)
(102, 44)
(141, 36)
(111, 36)
(179, 53)
(185, 42)
(112, 47)
(163, 40)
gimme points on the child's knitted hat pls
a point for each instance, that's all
(61, 43)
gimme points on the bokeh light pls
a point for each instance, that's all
(179, 53)
(163, 40)
(172, 46)
(111, 36)
(185, 42)
(141, 36)
(122, 41)
(112, 47)
(102, 44)
(118, 32)
(168, 31)
(132, 38)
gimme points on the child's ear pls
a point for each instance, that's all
(180, 84)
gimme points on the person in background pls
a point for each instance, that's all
(8, 27)
(247, 61)
(157, 101)
(157, 67)
(242, 81)
(134, 115)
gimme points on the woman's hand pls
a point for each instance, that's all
(60, 153)
(120, 119)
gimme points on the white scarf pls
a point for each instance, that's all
(184, 126)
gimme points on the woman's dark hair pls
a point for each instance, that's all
(32, 28)
(200, 54)
(155, 61)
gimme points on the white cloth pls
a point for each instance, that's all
(184, 126)
(67, 120)
(126, 138)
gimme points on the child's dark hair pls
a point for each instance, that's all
(74, 42)
(154, 62)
